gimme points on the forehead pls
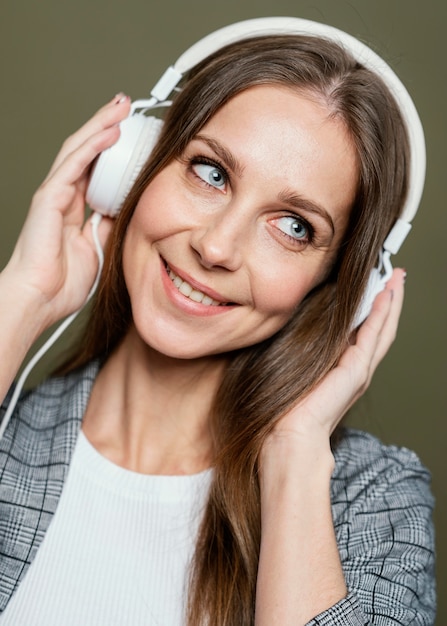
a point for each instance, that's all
(283, 117)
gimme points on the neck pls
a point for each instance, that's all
(151, 413)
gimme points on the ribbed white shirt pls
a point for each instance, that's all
(117, 550)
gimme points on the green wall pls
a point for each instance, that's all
(61, 60)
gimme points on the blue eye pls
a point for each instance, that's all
(210, 174)
(293, 227)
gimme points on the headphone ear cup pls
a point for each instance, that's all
(117, 168)
(376, 283)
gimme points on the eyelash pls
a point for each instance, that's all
(203, 160)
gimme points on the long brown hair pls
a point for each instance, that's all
(265, 380)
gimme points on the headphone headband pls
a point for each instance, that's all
(118, 167)
(361, 52)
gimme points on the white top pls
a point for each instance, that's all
(117, 550)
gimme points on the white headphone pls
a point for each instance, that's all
(118, 167)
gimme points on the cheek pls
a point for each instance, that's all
(146, 218)
(160, 212)
(279, 293)
(145, 228)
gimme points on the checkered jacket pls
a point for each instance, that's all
(381, 504)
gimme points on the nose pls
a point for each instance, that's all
(219, 241)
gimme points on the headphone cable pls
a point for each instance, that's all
(95, 221)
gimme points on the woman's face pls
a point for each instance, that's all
(227, 240)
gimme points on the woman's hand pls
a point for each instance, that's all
(54, 262)
(317, 415)
(300, 573)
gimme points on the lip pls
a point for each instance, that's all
(185, 303)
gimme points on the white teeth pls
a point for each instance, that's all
(197, 296)
(185, 289)
(188, 291)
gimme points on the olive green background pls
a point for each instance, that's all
(61, 60)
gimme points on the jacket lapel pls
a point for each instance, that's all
(35, 455)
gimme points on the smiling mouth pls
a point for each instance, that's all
(193, 294)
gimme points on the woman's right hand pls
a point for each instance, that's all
(54, 263)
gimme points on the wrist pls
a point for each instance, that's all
(23, 308)
(302, 452)
(293, 470)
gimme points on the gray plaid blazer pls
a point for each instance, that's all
(381, 503)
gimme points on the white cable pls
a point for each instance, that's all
(95, 221)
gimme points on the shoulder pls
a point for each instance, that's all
(382, 508)
(371, 478)
(44, 401)
(47, 417)
(362, 460)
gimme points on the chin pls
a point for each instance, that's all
(169, 345)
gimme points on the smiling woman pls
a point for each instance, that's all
(219, 360)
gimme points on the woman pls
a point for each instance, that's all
(221, 337)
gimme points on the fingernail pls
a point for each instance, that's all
(119, 98)
(404, 278)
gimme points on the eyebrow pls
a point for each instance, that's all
(223, 153)
(286, 197)
(304, 204)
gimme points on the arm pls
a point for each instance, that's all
(54, 263)
(300, 572)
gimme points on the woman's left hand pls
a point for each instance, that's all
(321, 411)
(300, 573)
